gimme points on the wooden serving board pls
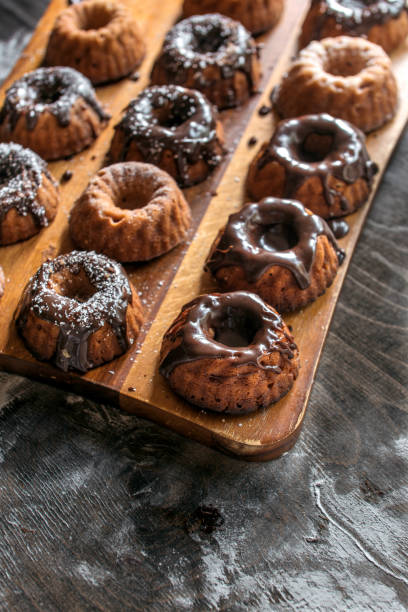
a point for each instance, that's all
(167, 283)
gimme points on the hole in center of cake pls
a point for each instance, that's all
(95, 20)
(278, 237)
(176, 113)
(131, 199)
(343, 64)
(235, 327)
(209, 40)
(9, 171)
(50, 93)
(73, 286)
(316, 147)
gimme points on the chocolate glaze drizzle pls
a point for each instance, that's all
(52, 89)
(347, 158)
(21, 172)
(210, 315)
(339, 227)
(357, 16)
(207, 40)
(171, 118)
(78, 318)
(272, 232)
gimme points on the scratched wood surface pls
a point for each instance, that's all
(172, 280)
(100, 510)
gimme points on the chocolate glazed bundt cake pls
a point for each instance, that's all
(99, 38)
(384, 22)
(257, 16)
(317, 159)
(229, 353)
(29, 196)
(213, 54)
(277, 249)
(53, 111)
(171, 127)
(131, 212)
(349, 78)
(79, 311)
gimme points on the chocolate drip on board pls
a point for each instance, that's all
(48, 89)
(357, 16)
(207, 40)
(272, 232)
(171, 118)
(339, 227)
(347, 158)
(77, 319)
(21, 173)
(206, 314)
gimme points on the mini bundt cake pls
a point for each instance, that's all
(349, 78)
(317, 159)
(213, 54)
(257, 16)
(29, 196)
(79, 311)
(131, 212)
(53, 111)
(383, 22)
(171, 127)
(277, 249)
(229, 353)
(99, 38)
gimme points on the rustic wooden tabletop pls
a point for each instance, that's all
(104, 511)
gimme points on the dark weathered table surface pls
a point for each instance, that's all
(103, 511)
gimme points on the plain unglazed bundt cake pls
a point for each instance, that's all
(99, 38)
(349, 78)
(130, 211)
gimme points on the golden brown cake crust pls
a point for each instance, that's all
(349, 78)
(29, 196)
(2, 282)
(203, 362)
(131, 212)
(79, 311)
(213, 54)
(99, 38)
(57, 115)
(278, 250)
(317, 159)
(257, 16)
(323, 21)
(174, 128)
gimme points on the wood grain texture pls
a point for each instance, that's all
(97, 507)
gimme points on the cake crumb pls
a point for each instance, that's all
(67, 176)
(264, 110)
